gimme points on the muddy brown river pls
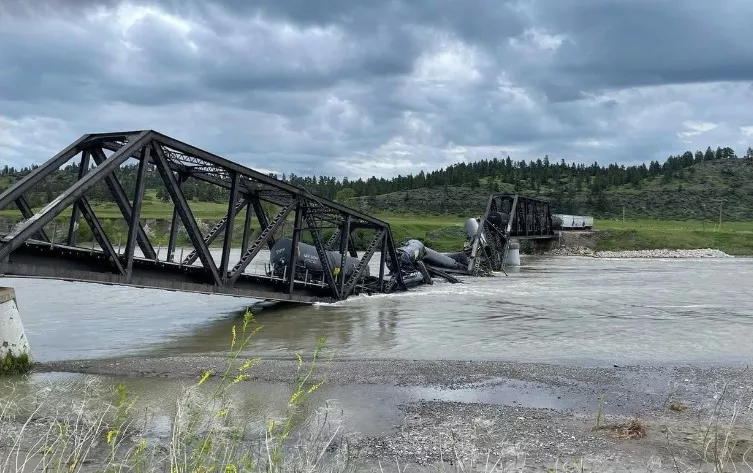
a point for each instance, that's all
(562, 310)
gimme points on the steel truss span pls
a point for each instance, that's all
(264, 216)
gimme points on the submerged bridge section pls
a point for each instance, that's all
(326, 266)
(507, 218)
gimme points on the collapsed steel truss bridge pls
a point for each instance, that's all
(507, 217)
(30, 250)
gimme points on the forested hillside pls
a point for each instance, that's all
(695, 192)
(686, 186)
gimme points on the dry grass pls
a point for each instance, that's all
(631, 430)
(678, 407)
(82, 427)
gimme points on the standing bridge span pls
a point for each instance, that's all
(325, 267)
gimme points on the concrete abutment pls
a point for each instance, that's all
(15, 353)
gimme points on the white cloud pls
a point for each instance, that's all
(449, 61)
(696, 128)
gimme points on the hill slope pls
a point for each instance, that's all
(693, 193)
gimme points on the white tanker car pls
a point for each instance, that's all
(572, 222)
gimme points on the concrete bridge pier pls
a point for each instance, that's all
(513, 254)
(15, 353)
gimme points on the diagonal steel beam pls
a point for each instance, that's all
(30, 180)
(31, 226)
(321, 252)
(116, 189)
(99, 233)
(264, 236)
(213, 233)
(333, 239)
(261, 217)
(25, 208)
(363, 264)
(180, 202)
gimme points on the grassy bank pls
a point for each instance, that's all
(735, 238)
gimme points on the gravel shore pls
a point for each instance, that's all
(660, 253)
(526, 415)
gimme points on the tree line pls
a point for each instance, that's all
(540, 176)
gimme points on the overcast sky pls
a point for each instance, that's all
(380, 87)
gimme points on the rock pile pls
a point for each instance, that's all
(662, 253)
(572, 251)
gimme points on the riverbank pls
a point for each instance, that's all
(527, 416)
(657, 254)
(669, 244)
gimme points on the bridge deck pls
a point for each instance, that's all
(43, 260)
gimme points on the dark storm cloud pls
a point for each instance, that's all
(622, 43)
(382, 86)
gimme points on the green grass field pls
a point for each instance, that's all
(445, 232)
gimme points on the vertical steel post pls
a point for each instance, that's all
(382, 261)
(138, 199)
(247, 226)
(228, 240)
(297, 227)
(261, 216)
(174, 224)
(344, 239)
(76, 210)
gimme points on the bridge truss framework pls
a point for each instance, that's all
(29, 250)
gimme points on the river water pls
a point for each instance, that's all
(550, 309)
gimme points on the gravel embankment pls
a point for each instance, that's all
(659, 253)
(532, 413)
(700, 253)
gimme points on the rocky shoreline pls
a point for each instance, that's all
(658, 253)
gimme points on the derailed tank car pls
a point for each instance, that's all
(572, 222)
(308, 265)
